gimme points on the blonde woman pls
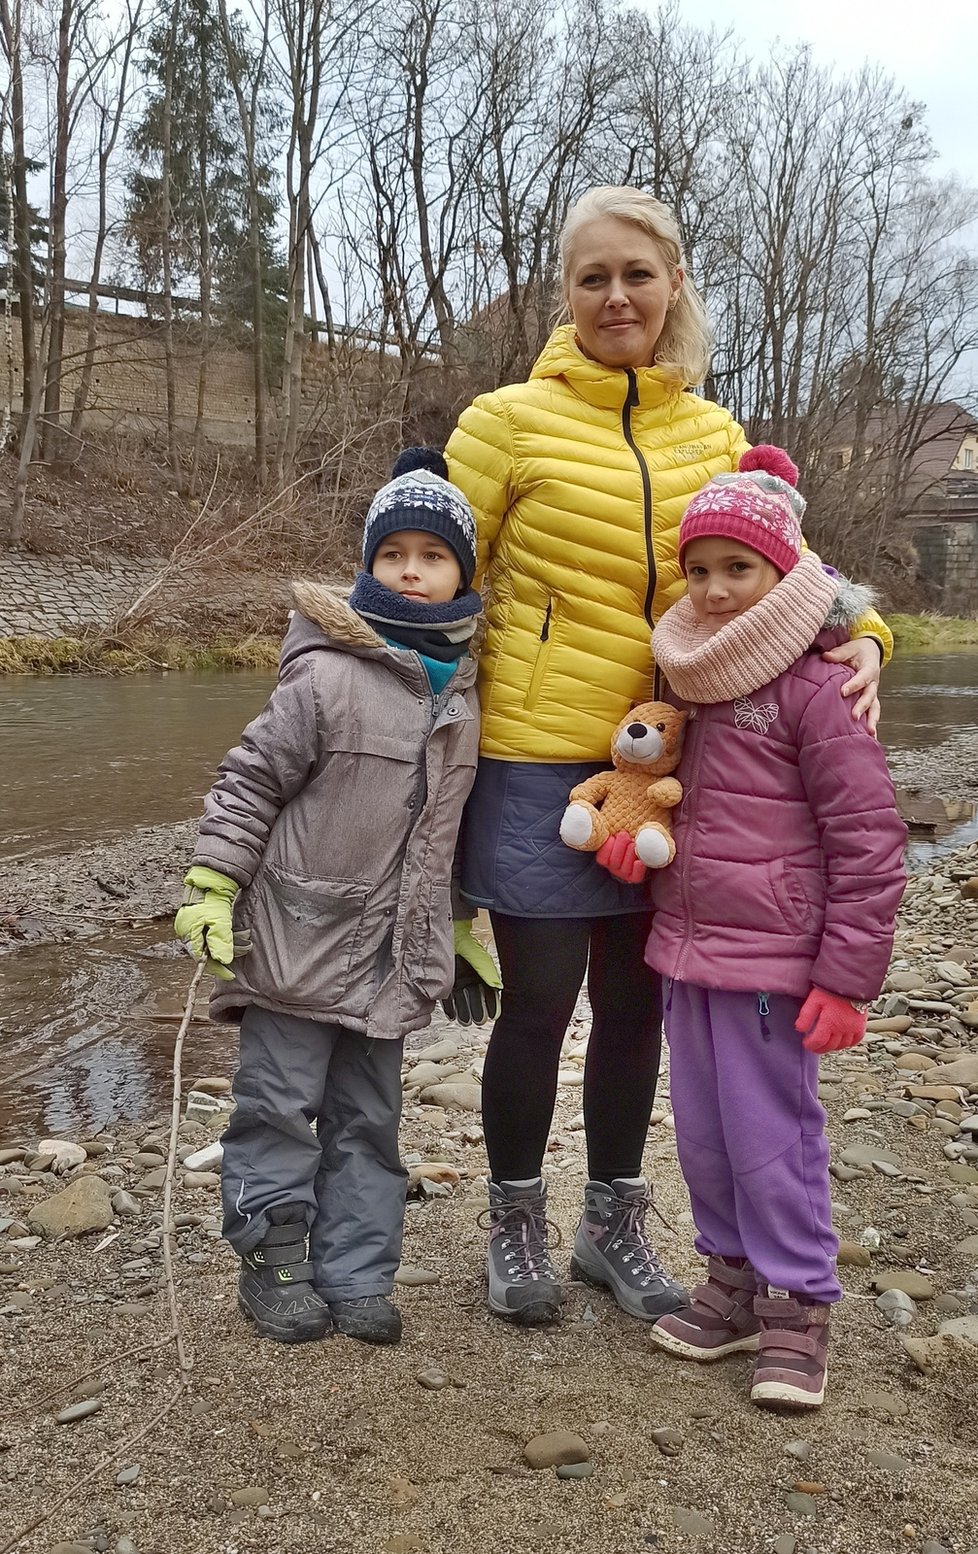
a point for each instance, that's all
(579, 478)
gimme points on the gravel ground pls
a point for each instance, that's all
(337, 1447)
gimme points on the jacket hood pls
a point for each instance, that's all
(562, 357)
(323, 618)
(851, 603)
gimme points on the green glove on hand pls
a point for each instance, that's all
(475, 997)
(204, 920)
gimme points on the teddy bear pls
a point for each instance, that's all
(637, 796)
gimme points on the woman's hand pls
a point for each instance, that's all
(865, 659)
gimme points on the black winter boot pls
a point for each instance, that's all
(373, 1319)
(275, 1289)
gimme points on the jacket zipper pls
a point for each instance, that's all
(540, 663)
(689, 823)
(631, 403)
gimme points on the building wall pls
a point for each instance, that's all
(948, 560)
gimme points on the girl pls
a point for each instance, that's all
(774, 924)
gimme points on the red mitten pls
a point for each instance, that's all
(619, 857)
(830, 1022)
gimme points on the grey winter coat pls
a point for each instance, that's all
(338, 815)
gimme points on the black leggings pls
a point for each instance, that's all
(543, 961)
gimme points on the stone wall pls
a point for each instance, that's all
(48, 596)
(128, 388)
(948, 561)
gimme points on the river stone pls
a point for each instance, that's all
(885, 1403)
(411, 1276)
(800, 1504)
(963, 1071)
(201, 1179)
(253, 1495)
(438, 1052)
(896, 1307)
(435, 1380)
(905, 981)
(894, 1024)
(127, 1475)
(205, 1159)
(914, 1062)
(869, 1154)
(916, 1285)
(668, 1440)
(575, 1469)
(454, 1097)
(959, 1172)
(695, 1524)
(951, 971)
(887, 1461)
(852, 1255)
(786, 1544)
(125, 1206)
(214, 1085)
(925, 1353)
(153, 1180)
(554, 1448)
(965, 1328)
(76, 1411)
(11, 1156)
(62, 1153)
(85, 1205)
(969, 1246)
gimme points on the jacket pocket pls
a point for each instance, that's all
(544, 645)
(791, 897)
(429, 957)
(307, 931)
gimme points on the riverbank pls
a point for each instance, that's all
(419, 1449)
(155, 650)
(135, 652)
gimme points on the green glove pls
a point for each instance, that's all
(475, 997)
(204, 920)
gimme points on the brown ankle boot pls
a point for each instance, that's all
(791, 1367)
(719, 1318)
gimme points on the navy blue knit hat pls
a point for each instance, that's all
(420, 495)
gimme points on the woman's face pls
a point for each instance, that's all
(619, 291)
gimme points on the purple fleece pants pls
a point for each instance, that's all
(750, 1131)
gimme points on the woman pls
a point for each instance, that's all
(579, 478)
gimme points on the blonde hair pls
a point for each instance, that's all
(683, 349)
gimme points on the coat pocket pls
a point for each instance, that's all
(544, 648)
(307, 931)
(429, 957)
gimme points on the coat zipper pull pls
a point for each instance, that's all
(545, 628)
(764, 1009)
(669, 986)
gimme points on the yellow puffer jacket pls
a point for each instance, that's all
(579, 479)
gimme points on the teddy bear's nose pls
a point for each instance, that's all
(637, 730)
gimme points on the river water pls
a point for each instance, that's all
(86, 1028)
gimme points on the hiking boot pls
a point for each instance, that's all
(791, 1368)
(720, 1316)
(611, 1248)
(373, 1319)
(275, 1289)
(523, 1283)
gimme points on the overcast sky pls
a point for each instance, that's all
(931, 48)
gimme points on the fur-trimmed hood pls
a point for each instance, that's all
(323, 610)
(852, 602)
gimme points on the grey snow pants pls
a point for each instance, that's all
(295, 1076)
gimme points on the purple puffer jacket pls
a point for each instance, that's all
(789, 849)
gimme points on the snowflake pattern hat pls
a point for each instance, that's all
(759, 507)
(421, 496)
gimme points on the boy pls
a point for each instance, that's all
(329, 836)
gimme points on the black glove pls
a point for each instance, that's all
(474, 999)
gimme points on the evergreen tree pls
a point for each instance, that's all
(209, 239)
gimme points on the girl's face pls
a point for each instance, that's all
(619, 291)
(725, 578)
(418, 566)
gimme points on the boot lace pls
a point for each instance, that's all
(522, 1228)
(628, 1239)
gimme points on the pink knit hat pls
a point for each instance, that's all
(759, 507)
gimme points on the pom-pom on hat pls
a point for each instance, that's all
(759, 507)
(420, 495)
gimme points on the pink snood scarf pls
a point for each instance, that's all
(750, 651)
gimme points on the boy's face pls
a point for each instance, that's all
(418, 566)
(725, 578)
